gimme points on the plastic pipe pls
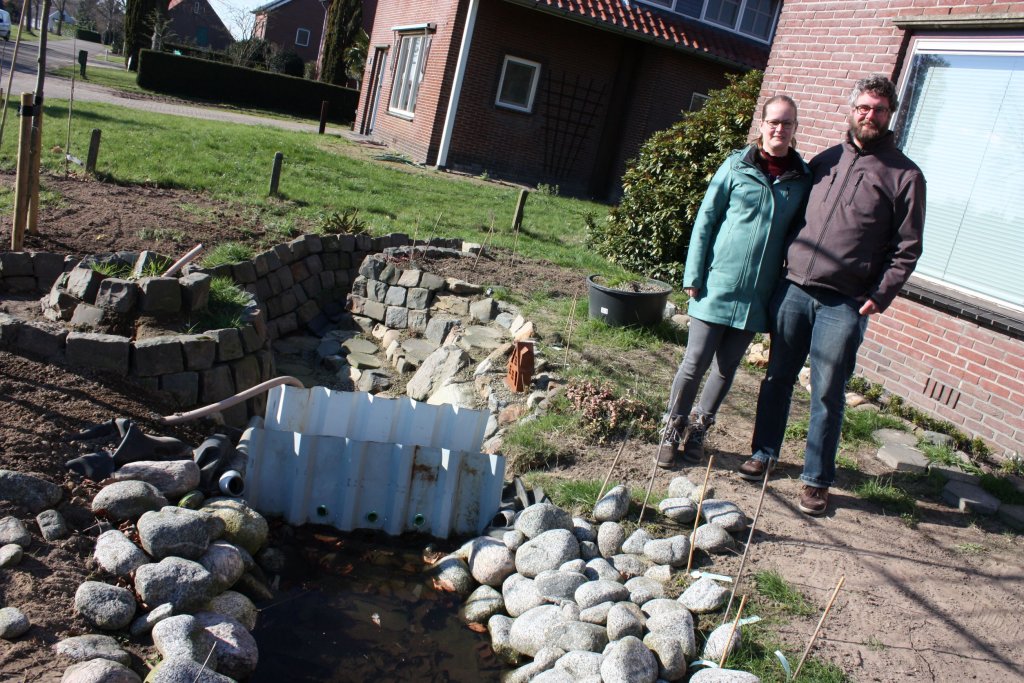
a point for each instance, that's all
(179, 418)
(231, 483)
(180, 263)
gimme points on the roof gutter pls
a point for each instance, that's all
(623, 31)
(460, 74)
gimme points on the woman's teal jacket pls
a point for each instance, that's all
(739, 238)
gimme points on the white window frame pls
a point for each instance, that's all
(533, 84)
(698, 100)
(299, 32)
(670, 5)
(409, 67)
(977, 45)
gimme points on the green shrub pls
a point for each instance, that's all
(663, 187)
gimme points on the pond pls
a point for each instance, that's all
(359, 607)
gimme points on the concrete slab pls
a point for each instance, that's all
(363, 361)
(418, 349)
(953, 473)
(894, 436)
(1012, 515)
(357, 345)
(967, 497)
(903, 458)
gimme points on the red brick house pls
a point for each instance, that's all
(195, 22)
(294, 25)
(953, 343)
(548, 91)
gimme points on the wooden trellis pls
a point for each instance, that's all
(571, 112)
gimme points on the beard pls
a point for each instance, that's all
(866, 131)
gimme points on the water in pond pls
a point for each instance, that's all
(358, 607)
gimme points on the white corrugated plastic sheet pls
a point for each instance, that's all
(357, 461)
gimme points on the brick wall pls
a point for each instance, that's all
(282, 26)
(418, 138)
(950, 367)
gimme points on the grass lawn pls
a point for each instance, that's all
(321, 176)
(112, 78)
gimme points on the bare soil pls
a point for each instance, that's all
(937, 601)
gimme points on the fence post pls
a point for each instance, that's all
(517, 219)
(94, 151)
(323, 116)
(275, 173)
(21, 186)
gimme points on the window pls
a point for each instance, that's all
(412, 52)
(518, 84)
(960, 121)
(697, 101)
(751, 18)
(302, 37)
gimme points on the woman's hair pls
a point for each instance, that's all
(756, 139)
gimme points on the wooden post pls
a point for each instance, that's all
(323, 117)
(517, 219)
(94, 151)
(275, 173)
(21, 186)
(33, 178)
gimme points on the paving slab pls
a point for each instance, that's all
(363, 361)
(361, 346)
(967, 497)
(418, 349)
(903, 458)
(1012, 515)
(953, 473)
(479, 337)
(894, 436)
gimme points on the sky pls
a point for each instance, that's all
(236, 14)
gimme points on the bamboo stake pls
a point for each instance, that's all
(821, 621)
(696, 521)
(568, 330)
(21, 184)
(732, 632)
(622, 446)
(746, 549)
(487, 239)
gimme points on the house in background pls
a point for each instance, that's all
(953, 343)
(293, 25)
(195, 22)
(549, 91)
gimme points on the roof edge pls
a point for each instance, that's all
(623, 31)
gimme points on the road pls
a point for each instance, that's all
(65, 52)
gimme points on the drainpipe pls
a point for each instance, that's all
(460, 73)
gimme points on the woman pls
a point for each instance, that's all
(732, 266)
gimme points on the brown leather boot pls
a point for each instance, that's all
(814, 500)
(669, 448)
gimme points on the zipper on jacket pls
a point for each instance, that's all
(831, 212)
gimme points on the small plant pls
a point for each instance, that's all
(889, 496)
(225, 308)
(547, 190)
(859, 425)
(1002, 488)
(970, 548)
(345, 222)
(772, 586)
(158, 234)
(484, 175)
(228, 252)
(944, 455)
(875, 644)
(847, 463)
(602, 413)
(113, 269)
(1013, 465)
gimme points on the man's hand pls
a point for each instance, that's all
(691, 292)
(868, 308)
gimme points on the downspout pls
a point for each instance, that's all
(460, 74)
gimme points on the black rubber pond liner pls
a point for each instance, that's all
(358, 606)
(624, 306)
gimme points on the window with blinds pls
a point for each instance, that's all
(960, 121)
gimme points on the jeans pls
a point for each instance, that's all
(828, 326)
(719, 347)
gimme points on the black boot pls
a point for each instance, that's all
(693, 442)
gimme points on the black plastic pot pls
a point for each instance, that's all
(622, 308)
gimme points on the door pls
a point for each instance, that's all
(376, 81)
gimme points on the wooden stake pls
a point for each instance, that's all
(568, 330)
(821, 621)
(517, 221)
(732, 632)
(629, 433)
(746, 549)
(323, 117)
(696, 521)
(94, 151)
(275, 173)
(21, 186)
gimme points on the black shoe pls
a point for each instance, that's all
(693, 442)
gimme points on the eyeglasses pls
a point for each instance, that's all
(863, 109)
(784, 125)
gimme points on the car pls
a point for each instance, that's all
(5, 24)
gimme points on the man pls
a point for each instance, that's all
(859, 243)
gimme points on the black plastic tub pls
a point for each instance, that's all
(624, 307)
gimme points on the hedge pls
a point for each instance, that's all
(205, 79)
(86, 34)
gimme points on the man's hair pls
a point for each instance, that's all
(877, 85)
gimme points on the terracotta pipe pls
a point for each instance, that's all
(180, 263)
(179, 418)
